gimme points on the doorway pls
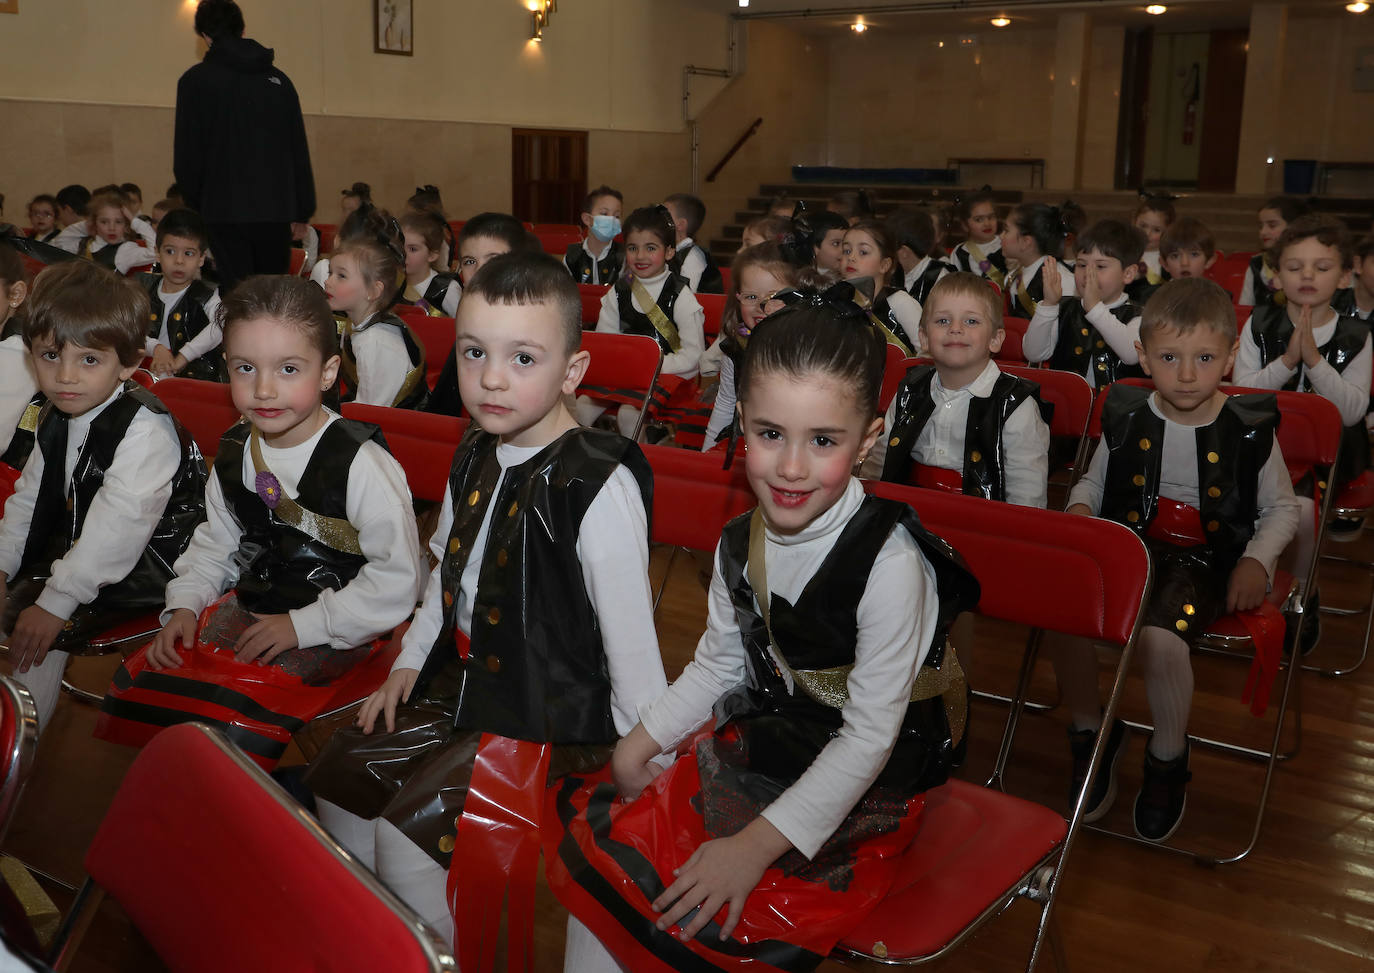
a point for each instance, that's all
(548, 175)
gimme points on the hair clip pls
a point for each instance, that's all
(388, 235)
(838, 297)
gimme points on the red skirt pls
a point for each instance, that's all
(257, 706)
(607, 859)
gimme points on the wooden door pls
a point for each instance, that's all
(548, 175)
(1222, 100)
(1134, 115)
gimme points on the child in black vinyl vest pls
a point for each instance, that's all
(1261, 286)
(183, 314)
(598, 259)
(1033, 233)
(690, 259)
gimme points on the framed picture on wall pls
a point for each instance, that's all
(393, 27)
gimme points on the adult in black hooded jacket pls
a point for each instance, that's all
(240, 154)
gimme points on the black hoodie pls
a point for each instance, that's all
(240, 154)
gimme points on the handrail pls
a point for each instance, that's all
(730, 154)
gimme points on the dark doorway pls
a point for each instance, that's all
(1134, 114)
(548, 174)
(1222, 102)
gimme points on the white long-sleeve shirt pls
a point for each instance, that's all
(963, 255)
(18, 385)
(1018, 279)
(449, 304)
(209, 337)
(1278, 507)
(687, 315)
(694, 264)
(382, 359)
(911, 276)
(896, 619)
(907, 310)
(381, 595)
(1025, 439)
(131, 253)
(1042, 334)
(120, 520)
(1349, 390)
(613, 548)
(723, 409)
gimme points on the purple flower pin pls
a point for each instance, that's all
(983, 266)
(269, 489)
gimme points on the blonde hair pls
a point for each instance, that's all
(964, 284)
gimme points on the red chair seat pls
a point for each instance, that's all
(1357, 495)
(135, 629)
(974, 845)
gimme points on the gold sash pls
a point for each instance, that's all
(666, 329)
(333, 532)
(993, 274)
(28, 421)
(1023, 298)
(864, 301)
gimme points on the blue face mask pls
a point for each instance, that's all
(605, 227)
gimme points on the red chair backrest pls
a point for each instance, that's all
(1243, 312)
(895, 365)
(1014, 335)
(297, 267)
(1229, 272)
(18, 741)
(714, 306)
(694, 498)
(195, 825)
(1309, 425)
(1071, 395)
(622, 361)
(457, 227)
(557, 240)
(591, 301)
(725, 280)
(204, 408)
(422, 443)
(327, 232)
(436, 335)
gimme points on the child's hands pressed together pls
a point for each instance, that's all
(1053, 286)
(35, 630)
(265, 639)
(1293, 353)
(1248, 585)
(163, 361)
(1311, 354)
(384, 701)
(180, 627)
(722, 871)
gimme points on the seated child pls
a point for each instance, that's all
(105, 235)
(690, 259)
(536, 626)
(764, 229)
(43, 218)
(1095, 333)
(836, 697)
(482, 238)
(1075, 219)
(426, 199)
(183, 326)
(1202, 457)
(1186, 249)
(981, 253)
(382, 361)
(827, 240)
(656, 301)
(20, 400)
(427, 286)
(1261, 286)
(353, 198)
(164, 206)
(72, 204)
(965, 425)
(307, 554)
(1033, 233)
(112, 490)
(782, 205)
(598, 259)
(1153, 217)
(913, 231)
(852, 205)
(869, 252)
(1358, 299)
(356, 223)
(134, 195)
(303, 235)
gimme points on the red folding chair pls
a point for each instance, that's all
(1243, 312)
(204, 408)
(436, 335)
(1072, 398)
(1354, 501)
(18, 742)
(327, 232)
(714, 306)
(1229, 272)
(591, 302)
(895, 366)
(1309, 435)
(725, 280)
(422, 443)
(624, 363)
(1015, 335)
(297, 265)
(557, 239)
(220, 870)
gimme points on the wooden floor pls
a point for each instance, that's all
(1303, 901)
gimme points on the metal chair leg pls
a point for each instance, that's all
(1367, 609)
(667, 572)
(1018, 703)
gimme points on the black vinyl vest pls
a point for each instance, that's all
(21, 441)
(586, 270)
(105, 256)
(432, 300)
(711, 282)
(1080, 346)
(920, 287)
(1272, 329)
(280, 566)
(964, 260)
(786, 731)
(537, 670)
(1034, 290)
(413, 390)
(882, 310)
(58, 519)
(984, 469)
(1231, 452)
(635, 321)
(1264, 297)
(187, 320)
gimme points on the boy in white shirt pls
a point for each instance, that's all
(692, 260)
(183, 315)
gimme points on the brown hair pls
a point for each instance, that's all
(1326, 230)
(290, 301)
(379, 249)
(767, 256)
(81, 303)
(1186, 304)
(771, 228)
(528, 277)
(1184, 233)
(429, 225)
(962, 284)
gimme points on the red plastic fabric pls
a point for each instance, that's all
(789, 922)
(935, 478)
(496, 853)
(9, 476)
(1176, 523)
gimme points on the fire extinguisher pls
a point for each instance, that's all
(1191, 90)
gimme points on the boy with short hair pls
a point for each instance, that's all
(964, 425)
(913, 231)
(1171, 460)
(598, 259)
(691, 259)
(1358, 299)
(112, 491)
(1186, 249)
(71, 204)
(1093, 334)
(537, 625)
(183, 326)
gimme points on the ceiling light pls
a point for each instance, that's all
(1001, 20)
(858, 26)
(744, 3)
(1358, 7)
(1156, 9)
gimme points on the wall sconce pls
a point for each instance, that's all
(540, 12)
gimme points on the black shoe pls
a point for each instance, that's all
(1103, 791)
(1311, 632)
(1163, 796)
(1344, 529)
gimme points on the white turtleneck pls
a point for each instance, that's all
(896, 619)
(687, 315)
